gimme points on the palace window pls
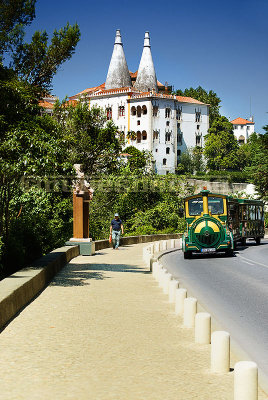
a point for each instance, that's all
(167, 150)
(138, 122)
(179, 139)
(109, 113)
(138, 137)
(197, 116)
(121, 111)
(167, 123)
(133, 110)
(178, 113)
(197, 126)
(155, 111)
(167, 112)
(164, 161)
(144, 110)
(144, 135)
(139, 111)
(198, 140)
(155, 135)
(168, 136)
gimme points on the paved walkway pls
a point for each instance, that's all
(103, 330)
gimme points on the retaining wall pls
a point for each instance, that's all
(17, 290)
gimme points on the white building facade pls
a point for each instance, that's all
(242, 129)
(147, 116)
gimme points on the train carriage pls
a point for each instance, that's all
(215, 223)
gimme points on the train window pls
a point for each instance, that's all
(215, 205)
(252, 212)
(195, 206)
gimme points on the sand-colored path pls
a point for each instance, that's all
(104, 330)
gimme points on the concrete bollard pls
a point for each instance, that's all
(220, 352)
(180, 296)
(158, 271)
(156, 247)
(173, 286)
(164, 245)
(162, 278)
(245, 381)
(154, 267)
(167, 280)
(189, 312)
(202, 328)
(172, 243)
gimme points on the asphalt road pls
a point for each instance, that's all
(235, 291)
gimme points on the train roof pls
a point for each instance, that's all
(230, 198)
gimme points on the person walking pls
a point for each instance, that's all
(116, 229)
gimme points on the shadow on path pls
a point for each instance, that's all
(81, 274)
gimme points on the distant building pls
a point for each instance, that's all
(147, 115)
(47, 103)
(243, 129)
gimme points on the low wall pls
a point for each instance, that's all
(17, 290)
(102, 244)
(221, 187)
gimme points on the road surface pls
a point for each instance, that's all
(235, 291)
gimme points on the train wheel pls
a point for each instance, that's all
(229, 253)
(187, 255)
(258, 240)
(243, 241)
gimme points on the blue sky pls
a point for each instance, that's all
(220, 45)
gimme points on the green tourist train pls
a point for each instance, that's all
(217, 222)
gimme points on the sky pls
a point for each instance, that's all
(220, 45)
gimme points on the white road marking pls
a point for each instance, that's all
(252, 261)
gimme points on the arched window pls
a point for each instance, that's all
(155, 135)
(144, 110)
(144, 135)
(241, 139)
(139, 111)
(164, 161)
(167, 150)
(133, 110)
(138, 137)
(109, 113)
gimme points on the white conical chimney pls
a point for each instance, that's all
(118, 73)
(146, 77)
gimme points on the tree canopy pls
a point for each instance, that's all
(221, 147)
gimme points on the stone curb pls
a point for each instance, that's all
(19, 289)
(236, 348)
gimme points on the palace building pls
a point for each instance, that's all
(147, 115)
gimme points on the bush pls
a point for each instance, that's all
(43, 223)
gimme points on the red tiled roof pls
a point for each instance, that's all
(46, 104)
(241, 121)
(184, 99)
(89, 90)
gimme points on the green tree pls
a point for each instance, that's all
(221, 147)
(258, 155)
(191, 161)
(15, 15)
(91, 139)
(207, 97)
